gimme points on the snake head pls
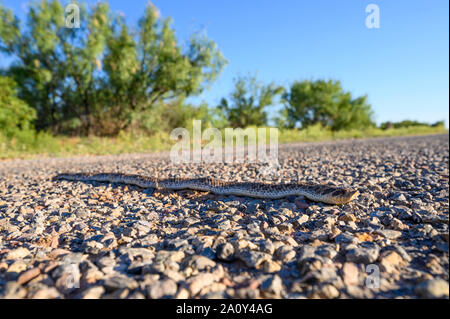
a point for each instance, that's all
(344, 196)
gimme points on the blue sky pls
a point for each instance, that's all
(402, 66)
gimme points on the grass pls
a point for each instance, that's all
(31, 145)
(317, 133)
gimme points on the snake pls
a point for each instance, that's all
(316, 192)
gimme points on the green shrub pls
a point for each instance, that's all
(16, 116)
(247, 103)
(326, 103)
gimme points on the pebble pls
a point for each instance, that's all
(433, 288)
(201, 263)
(346, 238)
(350, 274)
(285, 253)
(253, 259)
(165, 288)
(198, 282)
(17, 253)
(272, 286)
(326, 291)
(271, 266)
(28, 275)
(367, 253)
(119, 282)
(94, 292)
(389, 233)
(389, 260)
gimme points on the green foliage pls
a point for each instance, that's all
(15, 114)
(326, 103)
(408, 123)
(101, 76)
(247, 103)
(167, 116)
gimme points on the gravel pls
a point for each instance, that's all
(61, 239)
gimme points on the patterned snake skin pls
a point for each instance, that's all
(316, 192)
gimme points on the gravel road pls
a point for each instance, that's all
(61, 239)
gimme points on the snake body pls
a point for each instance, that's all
(316, 192)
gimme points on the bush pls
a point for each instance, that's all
(15, 115)
(326, 103)
(247, 103)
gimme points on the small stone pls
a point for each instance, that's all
(397, 224)
(13, 290)
(3, 266)
(346, 238)
(182, 294)
(17, 253)
(224, 225)
(389, 233)
(300, 220)
(253, 258)
(334, 232)
(271, 266)
(17, 267)
(433, 288)
(325, 291)
(272, 286)
(389, 260)
(308, 265)
(285, 253)
(198, 282)
(165, 256)
(347, 217)
(46, 293)
(136, 295)
(350, 274)
(131, 254)
(366, 254)
(82, 213)
(358, 292)
(92, 274)
(267, 246)
(117, 294)
(28, 275)
(225, 252)
(162, 289)
(307, 251)
(55, 253)
(119, 282)
(201, 262)
(364, 237)
(328, 251)
(285, 227)
(93, 292)
(399, 197)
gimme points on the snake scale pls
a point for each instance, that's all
(316, 192)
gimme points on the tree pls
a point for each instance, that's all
(15, 114)
(326, 103)
(247, 103)
(94, 79)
